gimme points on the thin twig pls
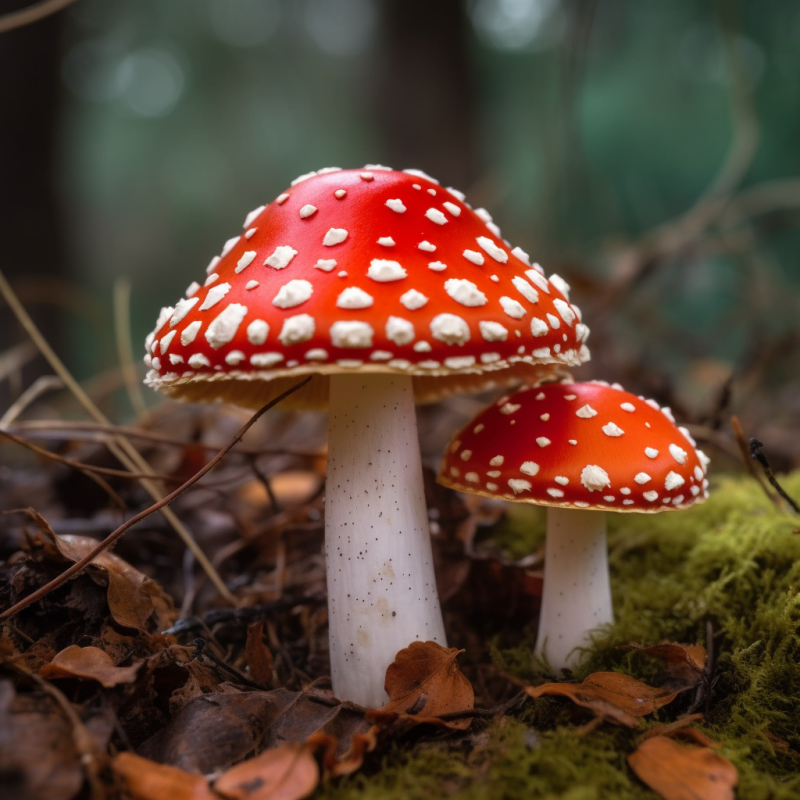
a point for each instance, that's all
(758, 455)
(122, 449)
(42, 385)
(122, 330)
(18, 19)
(744, 449)
(115, 535)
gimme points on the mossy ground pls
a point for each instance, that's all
(734, 561)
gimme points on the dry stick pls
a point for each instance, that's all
(748, 461)
(122, 330)
(43, 384)
(114, 535)
(122, 449)
(758, 455)
(16, 19)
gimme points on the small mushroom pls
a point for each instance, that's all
(389, 289)
(581, 449)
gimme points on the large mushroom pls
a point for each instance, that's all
(581, 449)
(388, 289)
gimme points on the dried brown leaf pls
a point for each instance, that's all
(682, 727)
(678, 772)
(89, 663)
(288, 772)
(629, 694)
(430, 669)
(258, 656)
(586, 697)
(685, 662)
(335, 765)
(146, 780)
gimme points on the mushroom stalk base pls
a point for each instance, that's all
(381, 586)
(576, 598)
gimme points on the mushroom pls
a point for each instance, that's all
(581, 449)
(389, 289)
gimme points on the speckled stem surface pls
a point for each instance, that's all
(381, 586)
(577, 594)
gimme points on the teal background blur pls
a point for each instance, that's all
(584, 127)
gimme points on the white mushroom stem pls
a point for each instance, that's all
(576, 598)
(381, 586)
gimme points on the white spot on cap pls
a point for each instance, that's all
(190, 332)
(474, 256)
(450, 329)
(250, 233)
(456, 193)
(396, 205)
(564, 309)
(382, 270)
(339, 194)
(466, 455)
(698, 474)
(426, 246)
(422, 346)
(472, 477)
(317, 353)
(525, 289)
(413, 299)
(610, 429)
(296, 329)
(673, 481)
(353, 297)
(434, 215)
(334, 236)
(182, 308)
(459, 362)
(642, 478)
(509, 408)
(399, 330)
(304, 177)
(420, 174)
(452, 208)
(497, 253)
(651, 452)
(212, 278)
(282, 198)
(464, 292)
(512, 307)
(581, 332)
(541, 352)
(584, 412)
(351, 333)
(542, 441)
(519, 485)
(191, 291)
(539, 327)
(627, 407)
(166, 341)
(553, 492)
(176, 359)
(326, 264)
(484, 214)
(437, 266)
(250, 285)
(266, 359)
(609, 498)
(490, 358)
(496, 461)
(245, 261)
(281, 257)
(538, 279)
(554, 321)
(561, 479)
(678, 453)
(235, 357)
(223, 327)
(521, 255)
(307, 210)
(215, 294)
(293, 293)
(493, 331)
(560, 284)
(366, 176)
(196, 360)
(386, 241)
(667, 412)
(257, 331)
(651, 496)
(212, 265)
(229, 245)
(595, 478)
(478, 428)
(248, 220)
(529, 468)
(431, 191)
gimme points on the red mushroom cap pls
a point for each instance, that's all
(578, 445)
(371, 270)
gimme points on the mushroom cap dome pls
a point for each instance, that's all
(578, 445)
(369, 270)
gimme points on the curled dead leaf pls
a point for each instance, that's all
(288, 772)
(145, 780)
(89, 663)
(335, 765)
(430, 669)
(685, 662)
(678, 772)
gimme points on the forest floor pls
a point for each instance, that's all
(135, 679)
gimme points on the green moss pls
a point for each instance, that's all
(733, 562)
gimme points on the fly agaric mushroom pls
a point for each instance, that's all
(581, 449)
(388, 289)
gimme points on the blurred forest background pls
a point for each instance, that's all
(647, 151)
